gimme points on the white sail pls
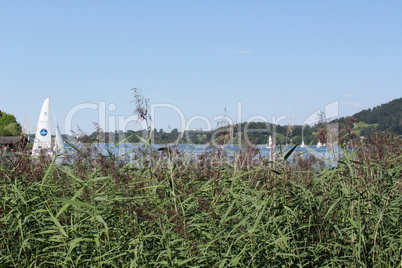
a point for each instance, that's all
(58, 143)
(270, 144)
(271, 147)
(302, 144)
(43, 136)
(319, 145)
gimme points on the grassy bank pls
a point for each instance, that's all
(173, 211)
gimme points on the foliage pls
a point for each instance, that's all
(9, 125)
(203, 211)
(12, 129)
(388, 116)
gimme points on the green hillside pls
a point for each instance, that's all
(386, 116)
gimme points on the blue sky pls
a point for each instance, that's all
(282, 59)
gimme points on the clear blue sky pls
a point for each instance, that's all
(278, 58)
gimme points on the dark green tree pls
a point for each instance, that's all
(9, 125)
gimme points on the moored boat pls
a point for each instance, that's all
(43, 135)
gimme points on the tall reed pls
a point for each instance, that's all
(173, 210)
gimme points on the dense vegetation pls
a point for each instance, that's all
(167, 209)
(387, 116)
(9, 125)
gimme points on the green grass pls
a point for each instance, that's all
(361, 126)
(171, 211)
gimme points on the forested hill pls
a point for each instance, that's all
(386, 116)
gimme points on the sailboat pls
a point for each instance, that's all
(319, 144)
(43, 136)
(302, 145)
(270, 143)
(271, 147)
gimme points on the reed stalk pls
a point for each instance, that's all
(177, 211)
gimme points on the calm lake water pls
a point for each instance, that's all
(329, 154)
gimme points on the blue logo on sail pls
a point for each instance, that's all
(43, 132)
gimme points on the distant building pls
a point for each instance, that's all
(12, 143)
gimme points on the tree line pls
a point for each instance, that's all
(385, 117)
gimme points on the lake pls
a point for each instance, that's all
(329, 154)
